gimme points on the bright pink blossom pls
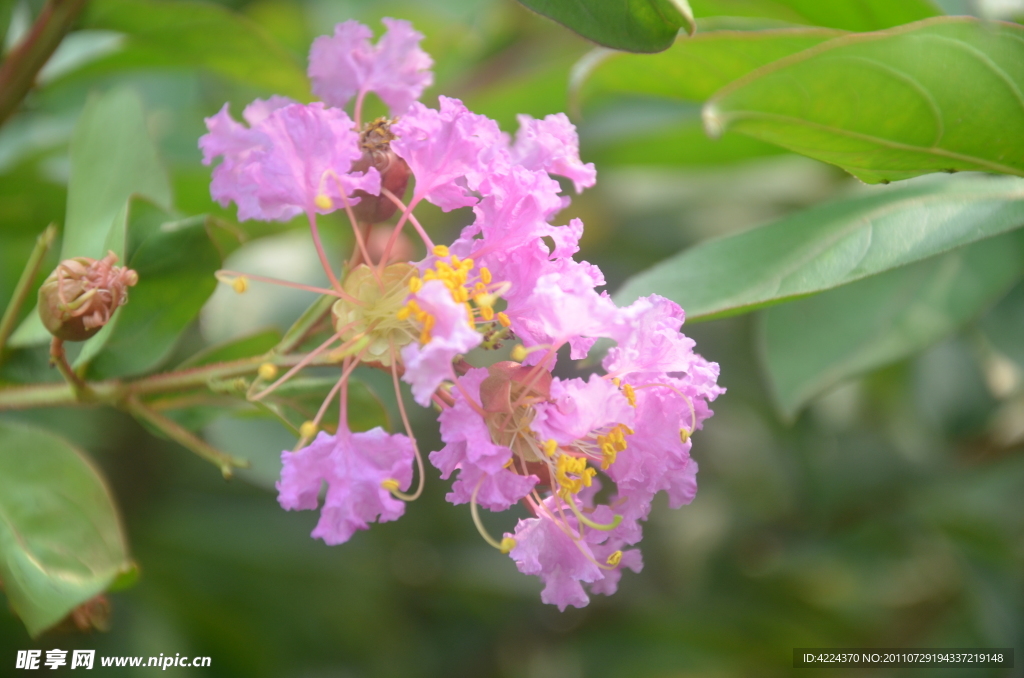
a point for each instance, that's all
(427, 365)
(552, 145)
(344, 65)
(353, 465)
(280, 166)
(577, 408)
(445, 149)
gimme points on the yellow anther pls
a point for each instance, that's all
(504, 321)
(508, 464)
(518, 353)
(468, 264)
(485, 299)
(684, 435)
(240, 284)
(324, 202)
(479, 288)
(403, 313)
(550, 446)
(616, 381)
(485, 275)
(630, 394)
(267, 371)
(389, 484)
(460, 294)
(415, 284)
(507, 544)
(307, 430)
(614, 558)
(440, 251)
(487, 313)
(429, 274)
(456, 262)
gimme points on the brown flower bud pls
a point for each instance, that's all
(81, 294)
(375, 141)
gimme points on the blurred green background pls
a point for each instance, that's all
(890, 513)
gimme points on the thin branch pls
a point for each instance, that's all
(21, 291)
(19, 70)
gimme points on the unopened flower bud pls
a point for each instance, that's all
(375, 141)
(81, 295)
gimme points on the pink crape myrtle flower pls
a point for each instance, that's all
(552, 145)
(354, 466)
(287, 162)
(512, 432)
(446, 151)
(345, 65)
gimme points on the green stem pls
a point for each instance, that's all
(60, 360)
(21, 291)
(184, 437)
(18, 71)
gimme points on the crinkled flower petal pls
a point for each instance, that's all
(577, 408)
(426, 366)
(552, 145)
(445, 149)
(650, 340)
(353, 465)
(544, 549)
(396, 69)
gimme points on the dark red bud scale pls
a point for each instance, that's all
(375, 140)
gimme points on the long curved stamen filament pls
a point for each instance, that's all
(311, 216)
(576, 539)
(307, 359)
(358, 111)
(395, 233)
(225, 276)
(408, 430)
(604, 527)
(360, 241)
(415, 223)
(506, 544)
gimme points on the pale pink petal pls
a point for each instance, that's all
(552, 145)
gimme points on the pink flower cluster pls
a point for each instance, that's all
(513, 432)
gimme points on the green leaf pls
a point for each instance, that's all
(631, 25)
(112, 159)
(812, 344)
(851, 15)
(939, 95)
(833, 244)
(61, 542)
(248, 346)
(176, 265)
(176, 34)
(691, 70)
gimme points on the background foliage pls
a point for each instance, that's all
(861, 481)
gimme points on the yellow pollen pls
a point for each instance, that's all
(389, 484)
(240, 285)
(440, 251)
(684, 435)
(504, 320)
(468, 264)
(485, 275)
(324, 202)
(577, 466)
(614, 558)
(485, 299)
(630, 394)
(518, 353)
(550, 446)
(415, 284)
(507, 544)
(487, 312)
(307, 430)
(456, 262)
(616, 381)
(267, 371)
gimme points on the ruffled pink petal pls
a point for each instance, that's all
(544, 550)
(552, 145)
(577, 408)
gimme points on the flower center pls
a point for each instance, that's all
(377, 319)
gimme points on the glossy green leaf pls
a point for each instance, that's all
(176, 266)
(939, 95)
(61, 541)
(833, 244)
(812, 344)
(250, 345)
(692, 69)
(194, 34)
(631, 25)
(112, 158)
(851, 15)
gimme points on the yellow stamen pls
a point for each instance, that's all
(485, 275)
(389, 484)
(487, 313)
(614, 558)
(507, 544)
(550, 446)
(518, 353)
(504, 320)
(240, 285)
(630, 394)
(324, 202)
(440, 251)
(415, 284)
(684, 435)
(307, 430)
(267, 371)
